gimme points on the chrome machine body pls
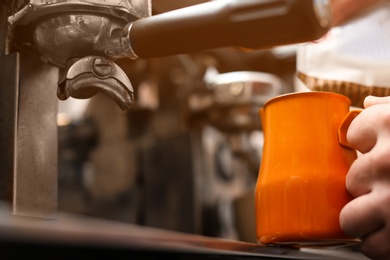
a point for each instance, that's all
(60, 32)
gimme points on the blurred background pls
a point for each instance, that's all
(186, 155)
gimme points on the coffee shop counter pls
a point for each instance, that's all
(71, 236)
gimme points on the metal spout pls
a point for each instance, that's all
(93, 74)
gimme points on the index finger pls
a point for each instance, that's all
(372, 100)
(362, 132)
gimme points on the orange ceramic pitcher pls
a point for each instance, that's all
(301, 185)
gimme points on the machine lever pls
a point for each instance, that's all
(240, 23)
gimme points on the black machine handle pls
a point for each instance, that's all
(223, 23)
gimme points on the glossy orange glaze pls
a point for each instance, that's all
(301, 185)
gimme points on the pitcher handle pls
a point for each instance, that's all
(343, 128)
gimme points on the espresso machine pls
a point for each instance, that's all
(76, 44)
(61, 49)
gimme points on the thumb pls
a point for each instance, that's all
(372, 100)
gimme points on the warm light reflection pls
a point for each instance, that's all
(63, 119)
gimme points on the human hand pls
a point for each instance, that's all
(368, 180)
(343, 10)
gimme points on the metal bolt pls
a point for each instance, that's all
(102, 67)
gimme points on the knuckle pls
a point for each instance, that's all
(383, 199)
(385, 118)
(346, 220)
(357, 181)
(380, 161)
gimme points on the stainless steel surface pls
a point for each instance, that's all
(71, 233)
(61, 30)
(93, 74)
(35, 176)
(3, 27)
(9, 89)
(122, 46)
(115, 28)
(66, 30)
(236, 97)
(76, 35)
(29, 137)
(245, 87)
(239, 23)
(123, 9)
